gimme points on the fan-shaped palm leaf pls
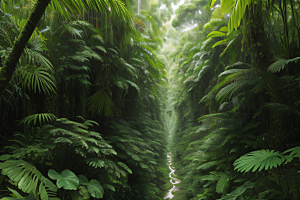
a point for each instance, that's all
(259, 160)
(67, 7)
(41, 117)
(38, 79)
(100, 101)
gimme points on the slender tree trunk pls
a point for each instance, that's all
(6, 72)
(139, 7)
(296, 19)
(258, 43)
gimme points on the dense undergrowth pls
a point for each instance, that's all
(96, 88)
(234, 106)
(81, 116)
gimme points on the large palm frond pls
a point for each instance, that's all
(258, 160)
(29, 179)
(66, 7)
(42, 118)
(101, 101)
(37, 79)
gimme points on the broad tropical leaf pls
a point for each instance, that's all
(95, 189)
(67, 179)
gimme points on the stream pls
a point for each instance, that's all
(174, 181)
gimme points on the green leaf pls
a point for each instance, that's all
(239, 191)
(295, 152)
(258, 160)
(80, 194)
(280, 64)
(219, 43)
(67, 179)
(109, 187)
(224, 29)
(38, 79)
(125, 167)
(222, 184)
(29, 179)
(19, 197)
(100, 101)
(43, 118)
(212, 3)
(101, 48)
(84, 192)
(238, 9)
(83, 180)
(216, 34)
(95, 189)
(15, 193)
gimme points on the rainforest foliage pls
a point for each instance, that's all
(234, 98)
(89, 90)
(81, 112)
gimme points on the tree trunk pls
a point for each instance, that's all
(139, 7)
(258, 42)
(6, 72)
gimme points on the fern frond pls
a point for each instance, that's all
(125, 167)
(210, 177)
(73, 31)
(37, 58)
(210, 164)
(239, 191)
(222, 183)
(280, 64)
(283, 108)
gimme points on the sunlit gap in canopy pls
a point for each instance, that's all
(190, 27)
(175, 8)
(163, 6)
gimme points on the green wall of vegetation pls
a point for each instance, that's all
(81, 114)
(234, 100)
(93, 96)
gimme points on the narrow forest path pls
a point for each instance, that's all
(173, 180)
